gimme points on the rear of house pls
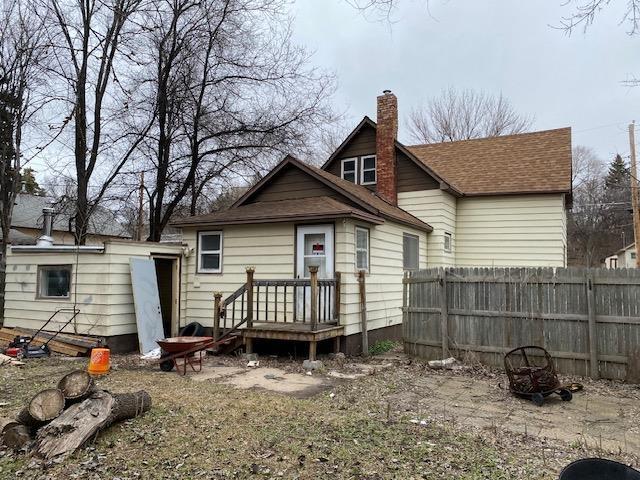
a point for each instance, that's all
(383, 208)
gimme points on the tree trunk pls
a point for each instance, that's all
(82, 421)
(3, 273)
(16, 436)
(76, 386)
(43, 407)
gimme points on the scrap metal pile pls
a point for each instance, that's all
(532, 374)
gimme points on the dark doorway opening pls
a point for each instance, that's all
(164, 274)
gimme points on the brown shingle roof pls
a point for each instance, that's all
(536, 162)
(280, 211)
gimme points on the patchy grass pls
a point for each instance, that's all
(383, 346)
(209, 430)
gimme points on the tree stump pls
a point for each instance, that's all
(43, 407)
(82, 421)
(76, 386)
(16, 436)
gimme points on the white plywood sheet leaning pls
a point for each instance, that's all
(147, 303)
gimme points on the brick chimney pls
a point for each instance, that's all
(385, 146)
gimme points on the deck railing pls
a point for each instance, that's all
(312, 302)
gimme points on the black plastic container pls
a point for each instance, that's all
(598, 469)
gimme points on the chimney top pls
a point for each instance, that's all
(386, 92)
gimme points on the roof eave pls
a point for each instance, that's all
(283, 219)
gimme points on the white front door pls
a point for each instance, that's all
(314, 245)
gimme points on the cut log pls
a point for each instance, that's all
(16, 436)
(76, 386)
(82, 421)
(6, 423)
(43, 407)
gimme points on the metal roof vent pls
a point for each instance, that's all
(46, 240)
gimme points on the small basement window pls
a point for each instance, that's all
(349, 168)
(410, 255)
(209, 252)
(447, 242)
(368, 173)
(362, 248)
(54, 281)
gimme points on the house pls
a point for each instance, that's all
(319, 254)
(623, 258)
(383, 207)
(27, 218)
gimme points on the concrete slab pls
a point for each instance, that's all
(210, 372)
(276, 380)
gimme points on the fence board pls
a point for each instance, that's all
(589, 328)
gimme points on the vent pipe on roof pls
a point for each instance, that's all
(46, 240)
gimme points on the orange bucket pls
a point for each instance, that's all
(99, 363)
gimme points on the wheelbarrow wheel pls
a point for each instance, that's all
(166, 366)
(538, 399)
(565, 395)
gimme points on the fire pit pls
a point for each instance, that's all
(532, 374)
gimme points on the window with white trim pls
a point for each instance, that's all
(54, 281)
(410, 251)
(362, 248)
(368, 170)
(447, 242)
(209, 252)
(349, 168)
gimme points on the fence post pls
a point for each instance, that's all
(313, 270)
(363, 313)
(250, 272)
(444, 313)
(593, 342)
(336, 309)
(217, 298)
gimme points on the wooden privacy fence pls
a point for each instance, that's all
(588, 319)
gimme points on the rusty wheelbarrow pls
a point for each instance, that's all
(185, 348)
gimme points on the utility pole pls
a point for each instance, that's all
(634, 189)
(139, 232)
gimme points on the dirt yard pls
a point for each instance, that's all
(386, 417)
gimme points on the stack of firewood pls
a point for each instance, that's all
(57, 421)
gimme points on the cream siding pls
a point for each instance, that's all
(271, 250)
(384, 280)
(511, 230)
(438, 209)
(267, 247)
(100, 287)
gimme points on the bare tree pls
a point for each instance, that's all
(465, 114)
(90, 39)
(230, 89)
(585, 13)
(21, 56)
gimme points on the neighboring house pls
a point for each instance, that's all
(27, 220)
(376, 206)
(623, 258)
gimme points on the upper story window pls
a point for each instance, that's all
(368, 170)
(410, 251)
(447, 242)
(54, 281)
(349, 169)
(209, 252)
(362, 248)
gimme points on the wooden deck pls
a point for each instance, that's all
(299, 332)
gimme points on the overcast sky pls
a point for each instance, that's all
(506, 46)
